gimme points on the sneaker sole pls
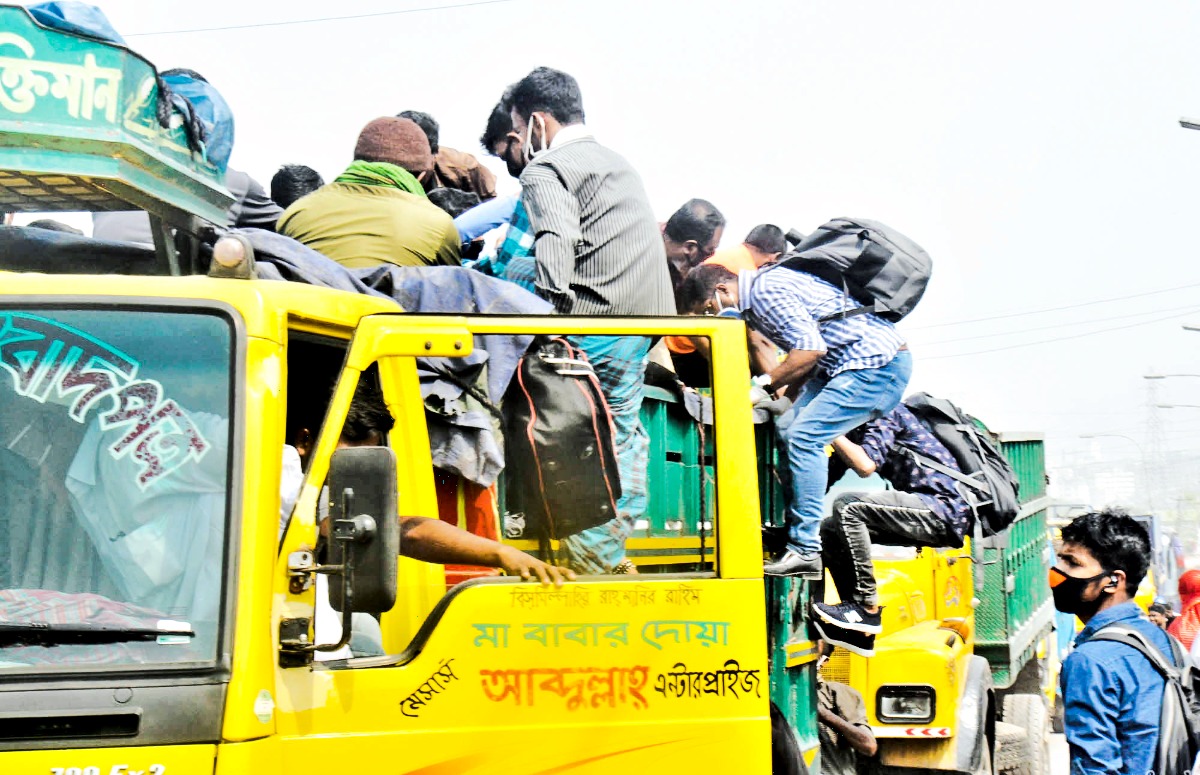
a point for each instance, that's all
(869, 629)
(837, 642)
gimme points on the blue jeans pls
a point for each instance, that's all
(620, 364)
(825, 410)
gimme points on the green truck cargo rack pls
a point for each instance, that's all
(79, 131)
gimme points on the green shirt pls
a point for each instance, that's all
(360, 226)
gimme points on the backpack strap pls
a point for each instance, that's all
(958, 476)
(1123, 633)
(840, 315)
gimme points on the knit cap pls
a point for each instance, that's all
(396, 141)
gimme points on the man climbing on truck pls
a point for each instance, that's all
(843, 371)
(925, 508)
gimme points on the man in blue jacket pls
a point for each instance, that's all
(1112, 694)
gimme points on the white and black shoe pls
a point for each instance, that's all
(856, 642)
(850, 616)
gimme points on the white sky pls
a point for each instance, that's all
(1032, 148)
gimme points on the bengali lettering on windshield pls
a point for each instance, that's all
(114, 439)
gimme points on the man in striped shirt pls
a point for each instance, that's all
(842, 371)
(598, 251)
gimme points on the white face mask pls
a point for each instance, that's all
(527, 149)
(726, 312)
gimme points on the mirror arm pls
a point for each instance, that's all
(348, 532)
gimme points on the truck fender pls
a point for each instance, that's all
(976, 715)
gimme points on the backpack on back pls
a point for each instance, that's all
(877, 266)
(1178, 745)
(988, 480)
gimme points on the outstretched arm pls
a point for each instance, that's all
(433, 540)
(860, 739)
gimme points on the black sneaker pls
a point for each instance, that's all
(850, 616)
(857, 642)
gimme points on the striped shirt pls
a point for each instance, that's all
(597, 244)
(786, 306)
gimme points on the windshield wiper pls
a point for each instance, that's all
(53, 634)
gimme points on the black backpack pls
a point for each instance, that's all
(988, 481)
(560, 472)
(1178, 745)
(877, 266)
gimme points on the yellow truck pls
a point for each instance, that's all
(159, 603)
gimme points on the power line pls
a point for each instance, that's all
(1056, 309)
(1184, 308)
(1056, 339)
(423, 9)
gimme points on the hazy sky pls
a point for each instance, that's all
(1032, 148)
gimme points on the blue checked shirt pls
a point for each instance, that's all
(785, 305)
(518, 240)
(885, 441)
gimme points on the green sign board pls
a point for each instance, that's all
(79, 130)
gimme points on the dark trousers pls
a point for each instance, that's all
(859, 519)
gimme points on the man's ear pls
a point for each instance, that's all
(1116, 581)
(303, 442)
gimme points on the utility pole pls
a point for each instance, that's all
(1154, 456)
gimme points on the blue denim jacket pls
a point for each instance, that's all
(1113, 698)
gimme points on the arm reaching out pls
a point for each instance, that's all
(432, 540)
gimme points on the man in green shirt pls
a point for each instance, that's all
(376, 212)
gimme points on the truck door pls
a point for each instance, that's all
(661, 669)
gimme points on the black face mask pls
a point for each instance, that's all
(1068, 593)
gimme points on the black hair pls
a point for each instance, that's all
(697, 220)
(768, 238)
(292, 182)
(368, 413)
(1116, 540)
(1162, 608)
(499, 123)
(184, 72)
(453, 201)
(428, 124)
(549, 91)
(700, 285)
(52, 225)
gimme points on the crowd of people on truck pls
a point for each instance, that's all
(582, 235)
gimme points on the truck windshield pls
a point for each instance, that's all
(114, 463)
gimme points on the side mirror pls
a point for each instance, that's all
(365, 534)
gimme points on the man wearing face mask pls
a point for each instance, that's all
(598, 251)
(1112, 695)
(514, 255)
(843, 372)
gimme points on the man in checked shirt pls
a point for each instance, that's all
(842, 371)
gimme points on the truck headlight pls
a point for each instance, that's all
(905, 704)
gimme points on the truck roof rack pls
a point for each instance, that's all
(80, 131)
